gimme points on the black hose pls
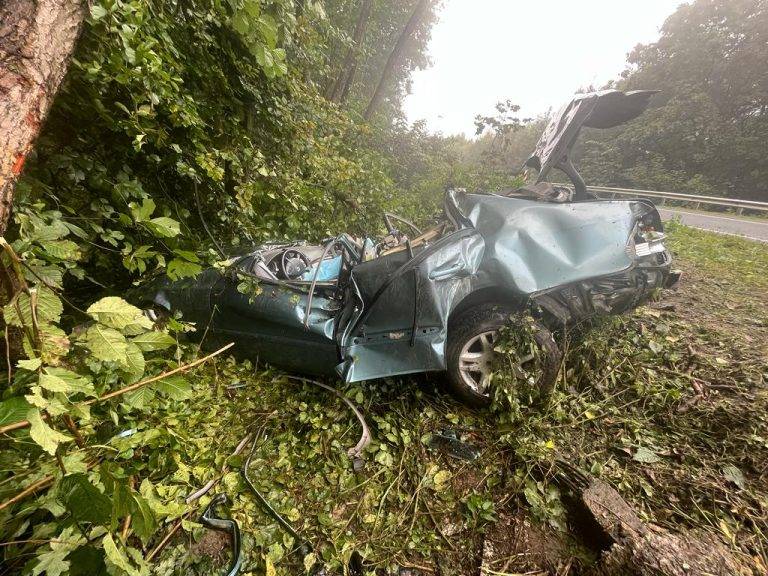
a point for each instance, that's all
(211, 520)
(304, 546)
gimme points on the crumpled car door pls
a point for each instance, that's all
(397, 307)
(270, 325)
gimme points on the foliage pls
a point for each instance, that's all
(186, 127)
(667, 405)
(182, 129)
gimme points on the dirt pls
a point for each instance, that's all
(214, 545)
(517, 544)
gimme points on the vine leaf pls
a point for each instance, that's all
(52, 562)
(48, 438)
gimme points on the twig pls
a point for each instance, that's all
(131, 388)
(127, 520)
(157, 549)
(72, 427)
(365, 438)
(146, 381)
(205, 224)
(39, 485)
(8, 355)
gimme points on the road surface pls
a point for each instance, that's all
(752, 229)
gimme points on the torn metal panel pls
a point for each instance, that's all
(534, 246)
(401, 324)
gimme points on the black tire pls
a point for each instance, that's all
(486, 318)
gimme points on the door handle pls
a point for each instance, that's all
(445, 273)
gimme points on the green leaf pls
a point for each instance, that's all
(174, 387)
(32, 364)
(138, 399)
(83, 500)
(154, 340)
(187, 255)
(98, 12)
(107, 344)
(52, 563)
(142, 212)
(53, 383)
(144, 522)
(179, 268)
(76, 383)
(60, 250)
(164, 227)
(48, 308)
(135, 362)
(116, 559)
(56, 405)
(13, 410)
(645, 455)
(87, 561)
(48, 438)
(240, 22)
(115, 312)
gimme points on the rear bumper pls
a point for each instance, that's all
(607, 295)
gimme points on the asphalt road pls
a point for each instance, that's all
(752, 229)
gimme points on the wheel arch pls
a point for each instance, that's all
(487, 295)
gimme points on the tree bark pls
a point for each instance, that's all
(417, 16)
(37, 38)
(348, 69)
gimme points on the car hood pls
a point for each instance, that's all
(594, 110)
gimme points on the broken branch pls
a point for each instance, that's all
(131, 388)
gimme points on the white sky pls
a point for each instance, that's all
(535, 52)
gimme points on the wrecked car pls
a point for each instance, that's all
(434, 300)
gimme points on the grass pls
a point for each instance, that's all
(668, 404)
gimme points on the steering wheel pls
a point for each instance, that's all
(388, 217)
(293, 264)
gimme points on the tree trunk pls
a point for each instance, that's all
(37, 38)
(347, 74)
(417, 15)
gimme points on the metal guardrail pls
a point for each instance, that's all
(694, 199)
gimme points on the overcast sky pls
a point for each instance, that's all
(537, 53)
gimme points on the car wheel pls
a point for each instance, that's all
(471, 359)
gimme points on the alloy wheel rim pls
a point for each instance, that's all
(476, 362)
(477, 359)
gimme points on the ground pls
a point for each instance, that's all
(667, 405)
